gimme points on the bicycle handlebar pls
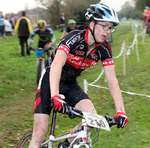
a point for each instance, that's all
(111, 120)
(73, 112)
(45, 49)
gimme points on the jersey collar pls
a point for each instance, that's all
(86, 37)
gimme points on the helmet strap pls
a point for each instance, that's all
(92, 32)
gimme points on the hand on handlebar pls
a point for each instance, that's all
(121, 119)
(29, 42)
(49, 46)
(59, 104)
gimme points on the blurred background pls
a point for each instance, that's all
(50, 10)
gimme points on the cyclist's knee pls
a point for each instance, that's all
(41, 132)
(86, 105)
(38, 136)
(40, 125)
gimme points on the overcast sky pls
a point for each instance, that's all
(9, 6)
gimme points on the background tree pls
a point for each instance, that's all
(140, 4)
(128, 11)
(72, 9)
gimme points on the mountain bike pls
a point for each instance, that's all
(41, 60)
(82, 138)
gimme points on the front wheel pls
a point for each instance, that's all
(26, 139)
(40, 67)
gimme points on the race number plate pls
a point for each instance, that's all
(96, 121)
(39, 53)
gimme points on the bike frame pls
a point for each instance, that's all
(79, 134)
(80, 137)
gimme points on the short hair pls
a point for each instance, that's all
(23, 13)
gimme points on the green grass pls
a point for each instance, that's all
(18, 89)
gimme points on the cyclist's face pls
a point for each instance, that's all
(72, 27)
(101, 31)
(42, 29)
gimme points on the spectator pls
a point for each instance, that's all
(15, 19)
(62, 21)
(12, 22)
(1, 26)
(23, 29)
(8, 28)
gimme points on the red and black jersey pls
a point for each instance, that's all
(75, 45)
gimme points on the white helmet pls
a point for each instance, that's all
(101, 12)
(146, 7)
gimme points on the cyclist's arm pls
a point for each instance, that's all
(53, 40)
(52, 43)
(31, 37)
(56, 70)
(114, 87)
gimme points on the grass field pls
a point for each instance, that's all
(18, 88)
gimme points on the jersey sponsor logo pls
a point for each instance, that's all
(80, 62)
(108, 62)
(80, 52)
(81, 47)
(72, 40)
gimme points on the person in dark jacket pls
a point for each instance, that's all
(2, 22)
(23, 29)
(62, 22)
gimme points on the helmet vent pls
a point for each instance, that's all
(101, 12)
(108, 10)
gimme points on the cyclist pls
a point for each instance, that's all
(147, 19)
(143, 14)
(46, 36)
(71, 26)
(80, 49)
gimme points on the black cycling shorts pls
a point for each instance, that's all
(70, 89)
